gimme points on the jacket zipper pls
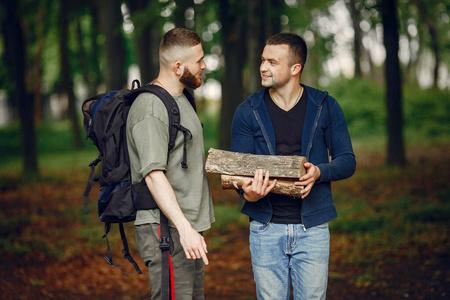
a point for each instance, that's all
(309, 153)
(270, 150)
(263, 132)
(314, 132)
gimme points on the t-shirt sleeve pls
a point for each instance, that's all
(151, 138)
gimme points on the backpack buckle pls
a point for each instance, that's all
(95, 162)
(164, 243)
(109, 261)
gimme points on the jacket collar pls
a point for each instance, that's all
(315, 96)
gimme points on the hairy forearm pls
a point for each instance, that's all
(165, 197)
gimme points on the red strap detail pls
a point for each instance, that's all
(172, 281)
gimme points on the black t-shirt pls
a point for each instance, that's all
(288, 126)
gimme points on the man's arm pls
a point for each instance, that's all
(193, 243)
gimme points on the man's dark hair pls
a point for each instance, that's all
(180, 37)
(173, 45)
(297, 46)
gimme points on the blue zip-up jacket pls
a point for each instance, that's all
(252, 132)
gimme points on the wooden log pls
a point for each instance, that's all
(241, 164)
(283, 186)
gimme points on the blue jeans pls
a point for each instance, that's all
(284, 252)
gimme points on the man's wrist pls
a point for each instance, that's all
(319, 174)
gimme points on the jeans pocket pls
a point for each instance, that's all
(258, 227)
(322, 226)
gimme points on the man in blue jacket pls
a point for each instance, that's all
(289, 237)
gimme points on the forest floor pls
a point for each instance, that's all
(50, 250)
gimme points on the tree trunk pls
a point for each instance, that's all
(65, 72)
(273, 21)
(15, 52)
(357, 42)
(37, 72)
(83, 59)
(255, 45)
(179, 13)
(395, 147)
(432, 29)
(110, 19)
(146, 41)
(233, 22)
(94, 57)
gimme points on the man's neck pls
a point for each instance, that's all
(172, 85)
(287, 96)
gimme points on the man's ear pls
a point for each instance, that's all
(177, 68)
(296, 69)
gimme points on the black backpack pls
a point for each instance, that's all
(105, 118)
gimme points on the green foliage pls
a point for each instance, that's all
(227, 217)
(425, 112)
(363, 104)
(54, 144)
(210, 129)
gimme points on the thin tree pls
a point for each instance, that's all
(110, 19)
(357, 42)
(15, 52)
(232, 17)
(146, 36)
(395, 146)
(432, 30)
(65, 72)
(255, 44)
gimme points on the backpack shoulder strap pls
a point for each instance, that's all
(173, 113)
(190, 98)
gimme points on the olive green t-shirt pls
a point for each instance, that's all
(148, 138)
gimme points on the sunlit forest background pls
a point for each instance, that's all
(385, 61)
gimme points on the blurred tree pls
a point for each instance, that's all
(66, 74)
(233, 17)
(180, 12)
(15, 53)
(36, 71)
(110, 20)
(147, 22)
(357, 42)
(263, 21)
(86, 32)
(395, 146)
(255, 44)
(306, 20)
(433, 31)
(273, 9)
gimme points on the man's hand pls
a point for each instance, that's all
(194, 245)
(308, 180)
(258, 187)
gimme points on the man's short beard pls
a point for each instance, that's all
(189, 80)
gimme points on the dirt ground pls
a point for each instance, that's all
(78, 270)
(228, 276)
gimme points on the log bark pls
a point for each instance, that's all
(234, 163)
(283, 186)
